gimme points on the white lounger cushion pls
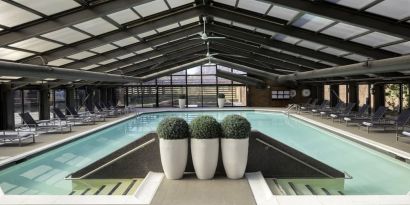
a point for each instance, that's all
(369, 124)
(406, 133)
(322, 113)
(314, 110)
(347, 119)
(333, 115)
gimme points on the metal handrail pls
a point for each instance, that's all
(300, 161)
(113, 160)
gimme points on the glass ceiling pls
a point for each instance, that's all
(17, 13)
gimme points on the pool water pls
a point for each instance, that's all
(373, 172)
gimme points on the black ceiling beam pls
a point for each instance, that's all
(250, 64)
(64, 19)
(272, 54)
(140, 26)
(301, 33)
(129, 70)
(134, 48)
(349, 15)
(259, 58)
(254, 38)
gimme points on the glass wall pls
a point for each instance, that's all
(343, 94)
(18, 106)
(363, 94)
(405, 96)
(392, 97)
(32, 103)
(326, 92)
(200, 84)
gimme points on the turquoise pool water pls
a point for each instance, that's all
(373, 172)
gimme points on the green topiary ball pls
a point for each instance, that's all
(173, 128)
(205, 127)
(235, 127)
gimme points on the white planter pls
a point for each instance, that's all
(221, 102)
(235, 156)
(182, 103)
(205, 157)
(174, 155)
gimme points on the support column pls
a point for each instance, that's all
(44, 112)
(6, 107)
(319, 94)
(334, 93)
(103, 95)
(354, 94)
(378, 96)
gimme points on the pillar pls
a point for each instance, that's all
(89, 102)
(103, 95)
(44, 112)
(353, 94)
(6, 107)
(334, 95)
(319, 94)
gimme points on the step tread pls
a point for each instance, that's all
(318, 191)
(287, 188)
(301, 189)
(275, 187)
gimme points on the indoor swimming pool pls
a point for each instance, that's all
(372, 171)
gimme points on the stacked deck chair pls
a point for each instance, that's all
(344, 113)
(316, 110)
(361, 113)
(44, 126)
(306, 107)
(108, 112)
(11, 136)
(119, 109)
(98, 116)
(73, 120)
(398, 124)
(405, 133)
(336, 109)
(377, 116)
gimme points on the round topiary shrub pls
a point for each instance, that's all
(182, 96)
(221, 95)
(205, 127)
(235, 127)
(173, 128)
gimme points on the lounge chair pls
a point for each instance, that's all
(336, 109)
(108, 112)
(323, 106)
(399, 123)
(346, 112)
(97, 116)
(377, 116)
(403, 134)
(361, 113)
(44, 125)
(10, 136)
(308, 106)
(80, 120)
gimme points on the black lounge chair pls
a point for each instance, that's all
(346, 112)
(98, 116)
(80, 120)
(399, 123)
(308, 106)
(361, 113)
(323, 106)
(336, 109)
(108, 112)
(44, 125)
(376, 117)
(10, 136)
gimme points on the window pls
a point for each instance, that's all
(176, 91)
(32, 103)
(209, 96)
(343, 94)
(363, 94)
(239, 96)
(227, 90)
(135, 96)
(326, 92)
(405, 96)
(18, 106)
(149, 96)
(165, 96)
(194, 96)
(392, 97)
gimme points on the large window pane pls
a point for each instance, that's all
(194, 71)
(149, 96)
(165, 96)
(194, 96)
(209, 96)
(228, 91)
(178, 80)
(176, 91)
(18, 107)
(239, 96)
(343, 95)
(59, 99)
(135, 96)
(224, 81)
(166, 80)
(363, 94)
(32, 103)
(80, 96)
(326, 92)
(194, 80)
(209, 79)
(206, 70)
(406, 96)
(392, 97)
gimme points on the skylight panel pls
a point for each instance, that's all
(169, 27)
(253, 5)
(227, 2)
(311, 22)
(49, 7)
(13, 55)
(36, 44)
(104, 48)
(264, 31)
(240, 25)
(352, 3)
(60, 62)
(357, 57)
(282, 13)
(126, 41)
(286, 39)
(89, 67)
(81, 55)
(126, 56)
(107, 61)
(334, 51)
(152, 7)
(12, 15)
(177, 3)
(344, 31)
(310, 45)
(189, 21)
(222, 20)
(145, 50)
(397, 9)
(66, 35)
(148, 33)
(124, 16)
(96, 26)
(401, 48)
(375, 39)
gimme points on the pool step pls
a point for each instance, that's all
(285, 187)
(105, 187)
